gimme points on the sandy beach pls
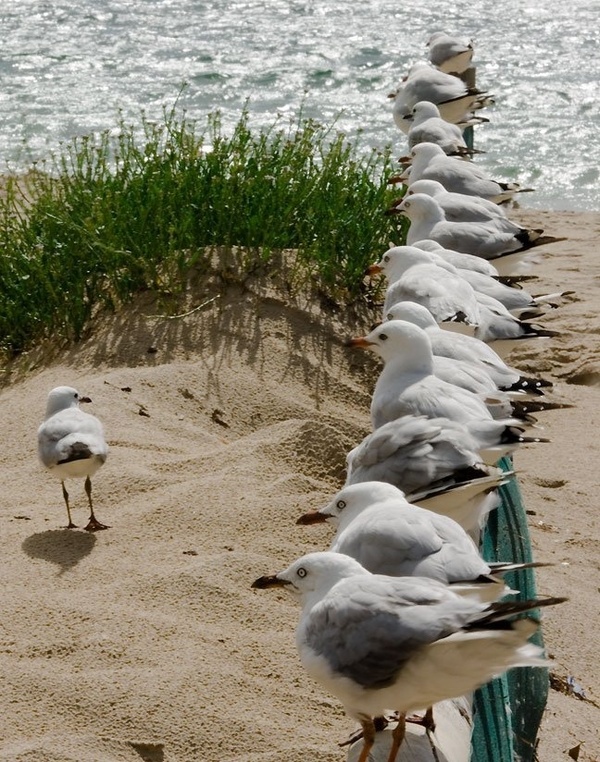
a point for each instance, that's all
(145, 642)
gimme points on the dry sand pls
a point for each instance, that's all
(145, 642)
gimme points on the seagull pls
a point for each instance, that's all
(429, 162)
(452, 301)
(460, 207)
(462, 347)
(427, 126)
(435, 462)
(488, 240)
(379, 528)
(402, 643)
(71, 445)
(516, 300)
(450, 54)
(407, 384)
(451, 95)
(412, 275)
(501, 329)
(463, 261)
(414, 453)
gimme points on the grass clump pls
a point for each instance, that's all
(114, 214)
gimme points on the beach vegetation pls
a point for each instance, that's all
(134, 209)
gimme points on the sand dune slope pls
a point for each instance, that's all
(145, 642)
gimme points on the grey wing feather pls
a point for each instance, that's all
(368, 630)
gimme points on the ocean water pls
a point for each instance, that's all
(72, 67)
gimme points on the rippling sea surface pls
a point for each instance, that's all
(72, 67)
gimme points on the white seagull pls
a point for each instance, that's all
(450, 54)
(427, 126)
(435, 462)
(501, 329)
(71, 445)
(378, 527)
(429, 162)
(451, 95)
(488, 239)
(468, 348)
(459, 207)
(415, 453)
(463, 261)
(401, 643)
(412, 275)
(407, 384)
(516, 300)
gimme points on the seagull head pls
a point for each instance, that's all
(411, 312)
(397, 260)
(351, 501)
(425, 110)
(313, 575)
(62, 398)
(420, 206)
(397, 339)
(429, 187)
(426, 151)
(427, 244)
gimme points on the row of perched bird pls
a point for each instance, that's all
(402, 611)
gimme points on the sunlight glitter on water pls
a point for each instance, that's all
(71, 66)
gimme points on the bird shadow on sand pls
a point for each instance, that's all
(63, 547)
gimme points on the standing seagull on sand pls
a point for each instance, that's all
(383, 643)
(71, 445)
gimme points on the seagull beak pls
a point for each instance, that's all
(313, 517)
(395, 180)
(85, 399)
(269, 580)
(360, 342)
(408, 117)
(405, 159)
(373, 270)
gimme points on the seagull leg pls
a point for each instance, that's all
(398, 734)
(380, 724)
(368, 727)
(426, 720)
(70, 525)
(93, 524)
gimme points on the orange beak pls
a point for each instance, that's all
(395, 180)
(360, 342)
(373, 270)
(272, 580)
(312, 517)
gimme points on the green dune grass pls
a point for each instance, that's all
(130, 210)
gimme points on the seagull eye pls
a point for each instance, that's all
(341, 504)
(406, 204)
(302, 572)
(383, 336)
(386, 259)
